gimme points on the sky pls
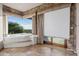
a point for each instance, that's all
(26, 23)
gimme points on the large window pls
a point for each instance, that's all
(57, 26)
(19, 25)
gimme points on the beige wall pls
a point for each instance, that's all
(1, 27)
(1, 21)
(5, 21)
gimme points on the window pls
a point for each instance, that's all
(19, 25)
(54, 40)
(58, 41)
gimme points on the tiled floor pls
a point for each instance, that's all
(37, 50)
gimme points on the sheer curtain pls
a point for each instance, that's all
(38, 27)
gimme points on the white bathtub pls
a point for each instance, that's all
(18, 40)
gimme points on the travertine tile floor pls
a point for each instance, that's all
(37, 50)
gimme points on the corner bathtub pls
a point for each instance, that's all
(18, 40)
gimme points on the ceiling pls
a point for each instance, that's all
(22, 6)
